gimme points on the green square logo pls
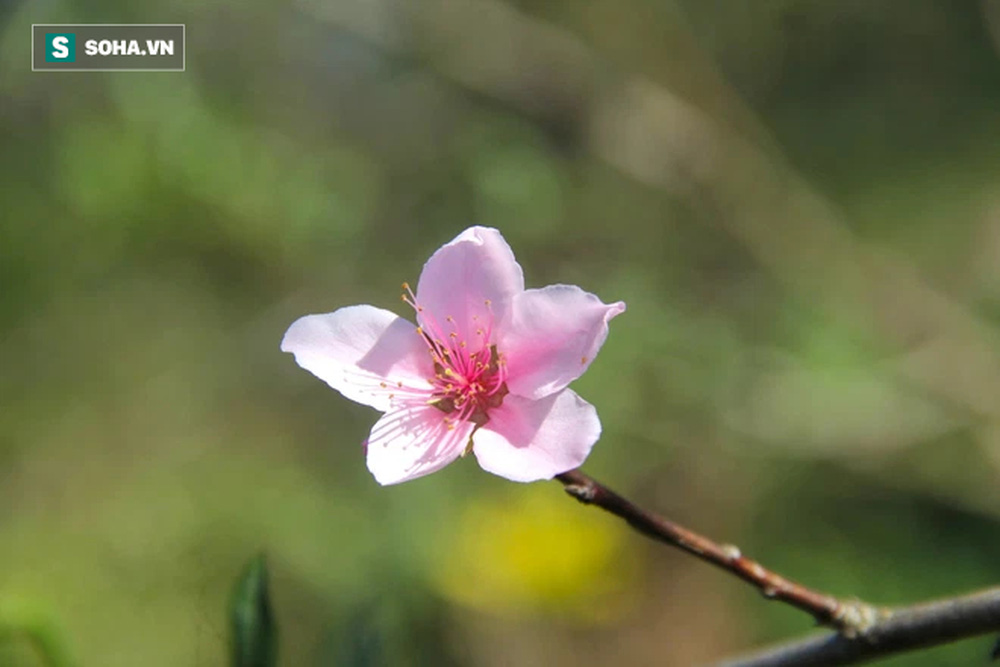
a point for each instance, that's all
(60, 47)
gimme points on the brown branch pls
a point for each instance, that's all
(864, 631)
(903, 629)
(852, 618)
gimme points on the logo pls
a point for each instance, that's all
(60, 47)
(107, 47)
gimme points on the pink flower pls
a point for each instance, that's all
(486, 370)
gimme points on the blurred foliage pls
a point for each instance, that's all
(251, 612)
(158, 232)
(532, 550)
(30, 635)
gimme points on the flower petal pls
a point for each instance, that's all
(457, 281)
(359, 350)
(412, 442)
(550, 337)
(527, 440)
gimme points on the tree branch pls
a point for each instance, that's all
(864, 631)
(903, 629)
(849, 617)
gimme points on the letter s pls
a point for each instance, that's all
(59, 47)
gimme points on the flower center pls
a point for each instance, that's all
(469, 376)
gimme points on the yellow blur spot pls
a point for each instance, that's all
(537, 550)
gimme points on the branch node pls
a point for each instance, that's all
(731, 551)
(583, 492)
(855, 618)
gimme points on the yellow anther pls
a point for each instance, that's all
(406, 285)
(382, 384)
(583, 360)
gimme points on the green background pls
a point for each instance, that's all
(798, 200)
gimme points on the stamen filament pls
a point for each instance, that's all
(468, 381)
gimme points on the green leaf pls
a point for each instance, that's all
(255, 633)
(30, 626)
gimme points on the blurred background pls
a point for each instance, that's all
(798, 200)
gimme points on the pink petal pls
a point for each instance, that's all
(412, 442)
(358, 348)
(527, 440)
(551, 336)
(458, 279)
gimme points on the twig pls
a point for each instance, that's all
(903, 629)
(864, 631)
(852, 618)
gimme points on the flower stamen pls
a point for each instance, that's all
(468, 382)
